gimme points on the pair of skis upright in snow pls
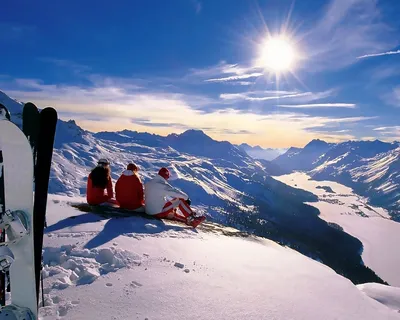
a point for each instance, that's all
(25, 156)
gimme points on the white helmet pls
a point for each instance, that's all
(103, 162)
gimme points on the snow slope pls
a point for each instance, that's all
(389, 296)
(371, 168)
(380, 235)
(134, 268)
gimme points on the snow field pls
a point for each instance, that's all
(371, 225)
(171, 272)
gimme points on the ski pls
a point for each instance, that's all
(30, 125)
(16, 221)
(45, 144)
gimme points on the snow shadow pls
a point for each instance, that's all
(116, 226)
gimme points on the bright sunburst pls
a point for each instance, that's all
(277, 54)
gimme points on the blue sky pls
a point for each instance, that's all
(166, 66)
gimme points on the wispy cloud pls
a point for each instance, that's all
(347, 29)
(261, 96)
(319, 105)
(237, 77)
(388, 53)
(350, 119)
(335, 136)
(224, 72)
(146, 122)
(388, 130)
(388, 133)
(243, 96)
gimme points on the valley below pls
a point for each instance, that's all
(338, 204)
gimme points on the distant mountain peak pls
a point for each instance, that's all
(191, 135)
(245, 146)
(194, 132)
(316, 143)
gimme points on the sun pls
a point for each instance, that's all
(277, 54)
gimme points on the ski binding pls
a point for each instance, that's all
(13, 312)
(15, 225)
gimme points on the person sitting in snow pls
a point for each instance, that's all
(99, 184)
(129, 189)
(158, 190)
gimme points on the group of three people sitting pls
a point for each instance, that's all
(156, 198)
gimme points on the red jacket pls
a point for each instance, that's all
(95, 196)
(129, 191)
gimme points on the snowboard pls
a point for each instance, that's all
(17, 183)
(109, 211)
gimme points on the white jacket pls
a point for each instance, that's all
(156, 192)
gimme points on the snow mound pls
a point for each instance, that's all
(387, 295)
(70, 265)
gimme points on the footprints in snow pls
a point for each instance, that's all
(55, 307)
(131, 287)
(135, 284)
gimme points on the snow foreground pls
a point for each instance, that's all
(389, 296)
(371, 225)
(135, 268)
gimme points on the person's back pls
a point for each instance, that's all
(99, 185)
(155, 195)
(156, 191)
(129, 189)
(166, 202)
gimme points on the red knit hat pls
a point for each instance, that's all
(132, 167)
(164, 172)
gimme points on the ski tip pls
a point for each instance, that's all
(49, 110)
(29, 104)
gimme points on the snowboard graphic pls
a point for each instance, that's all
(17, 218)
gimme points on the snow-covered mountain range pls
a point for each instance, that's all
(221, 179)
(371, 168)
(258, 152)
(215, 174)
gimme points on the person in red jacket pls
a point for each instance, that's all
(99, 184)
(129, 189)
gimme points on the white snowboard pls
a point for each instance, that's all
(18, 174)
